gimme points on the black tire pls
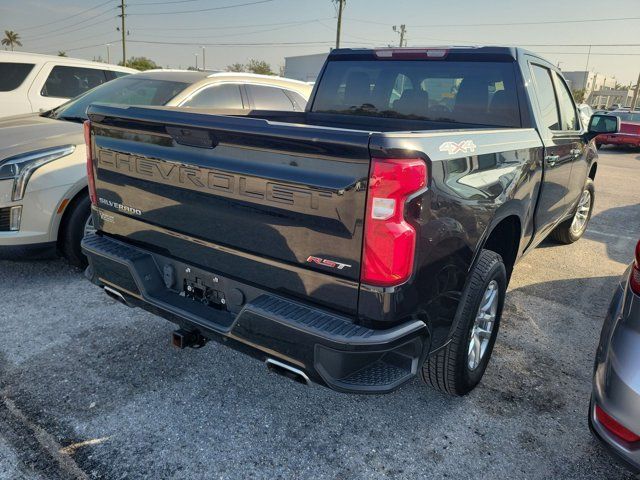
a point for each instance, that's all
(563, 233)
(76, 217)
(448, 369)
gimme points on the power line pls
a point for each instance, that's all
(37, 39)
(501, 24)
(605, 54)
(65, 29)
(268, 44)
(233, 27)
(580, 44)
(75, 40)
(90, 46)
(260, 44)
(67, 17)
(206, 9)
(547, 22)
(225, 35)
(162, 3)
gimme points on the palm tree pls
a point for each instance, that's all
(11, 39)
(62, 53)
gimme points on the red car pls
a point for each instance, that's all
(629, 131)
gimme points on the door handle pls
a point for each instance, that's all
(552, 159)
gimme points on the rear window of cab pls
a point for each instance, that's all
(482, 93)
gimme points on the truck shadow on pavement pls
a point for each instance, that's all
(616, 228)
(635, 153)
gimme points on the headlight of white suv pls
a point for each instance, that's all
(21, 167)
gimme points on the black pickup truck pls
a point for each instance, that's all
(357, 244)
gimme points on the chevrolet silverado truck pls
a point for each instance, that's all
(357, 244)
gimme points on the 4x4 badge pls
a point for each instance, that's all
(465, 146)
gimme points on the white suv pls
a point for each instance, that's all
(30, 82)
(44, 203)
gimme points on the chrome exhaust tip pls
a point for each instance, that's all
(116, 295)
(288, 371)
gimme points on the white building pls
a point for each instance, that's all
(610, 97)
(304, 67)
(589, 81)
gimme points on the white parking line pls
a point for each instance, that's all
(71, 449)
(613, 235)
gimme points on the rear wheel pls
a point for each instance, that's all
(572, 229)
(457, 368)
(77, 224)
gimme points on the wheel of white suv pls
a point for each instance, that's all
(76, 224)
(457, 368)
(572, 229)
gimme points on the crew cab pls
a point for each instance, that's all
(360, 243)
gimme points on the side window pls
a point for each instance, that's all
(269, 98)
(298, 100)
(567, 107)
(546, 97)
(218, 96)
(69, 82)
(13, 74)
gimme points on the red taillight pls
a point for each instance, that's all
(90, 173)
(389, 240)
(615, 427)
(634, 280)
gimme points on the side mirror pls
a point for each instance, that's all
(602, 123)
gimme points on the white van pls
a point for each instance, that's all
(30, 82)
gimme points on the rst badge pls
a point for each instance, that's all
(465, 146)
(327, 263)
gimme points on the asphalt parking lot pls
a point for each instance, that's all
(92, 389)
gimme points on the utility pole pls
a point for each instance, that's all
(588, 58)
(402, 30)
(108, 53)
(124, 34)
(196, 60)
(340, 8)
(635, 95)
(203, 63)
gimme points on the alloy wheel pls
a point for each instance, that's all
(483, 325)
(88, 226)
(582, 213)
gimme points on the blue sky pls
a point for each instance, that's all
(308, 26)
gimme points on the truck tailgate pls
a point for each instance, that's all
(279, 206)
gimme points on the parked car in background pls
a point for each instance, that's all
(44, 204)
(30, 82)
(360, 243)
(585, 113)
(629, 134)
(614, 415)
